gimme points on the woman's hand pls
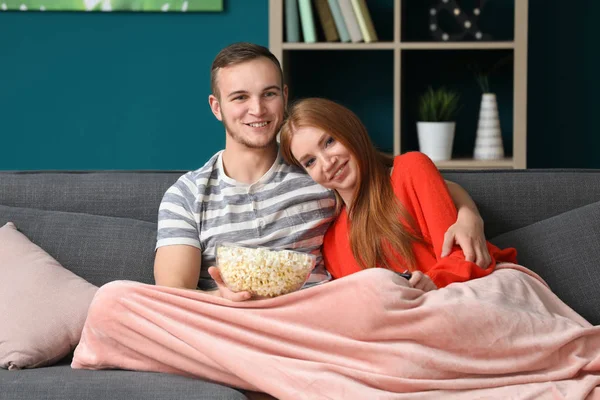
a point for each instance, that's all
(467, 232)
(419, 280)
(223, 290)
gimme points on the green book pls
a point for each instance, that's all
(308, 21)
(292, 21)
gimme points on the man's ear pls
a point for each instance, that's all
(285, 96)
(215, 106)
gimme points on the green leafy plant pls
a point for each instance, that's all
(439, 105)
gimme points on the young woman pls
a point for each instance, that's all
(392, 211)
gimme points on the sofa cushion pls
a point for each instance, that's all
(62, 382)
(97, 248)
(564, 250)
(43, 306)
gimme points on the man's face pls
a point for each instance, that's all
(252, 102)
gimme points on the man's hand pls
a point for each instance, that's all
(467, 232)
(223, 290)
(419, 280)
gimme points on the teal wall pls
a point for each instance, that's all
(115, 90)
(129, 91)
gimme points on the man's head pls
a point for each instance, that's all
(248, 94)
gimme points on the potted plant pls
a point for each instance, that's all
(436, 125)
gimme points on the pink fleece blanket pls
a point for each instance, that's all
(367, 336)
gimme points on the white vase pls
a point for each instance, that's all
(436, 139)
(488, 142)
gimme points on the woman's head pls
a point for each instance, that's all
(330, 142)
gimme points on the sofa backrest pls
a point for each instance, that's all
(512, 199)
(99, 225)
(127, 194)
(507, 199)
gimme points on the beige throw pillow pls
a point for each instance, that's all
(43, 306)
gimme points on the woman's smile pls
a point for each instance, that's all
(340, 174)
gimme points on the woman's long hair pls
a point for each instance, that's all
(378, 222)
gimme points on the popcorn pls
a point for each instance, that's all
(262, 271)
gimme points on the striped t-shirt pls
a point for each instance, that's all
(284, 209)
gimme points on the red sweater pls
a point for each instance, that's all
(422, 191)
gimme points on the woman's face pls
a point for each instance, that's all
(326, 160)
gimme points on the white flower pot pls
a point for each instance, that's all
(436, 139)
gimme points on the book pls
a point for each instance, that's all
(327, 22)
(334, 6)
(308, 22)
(292, 21)
(350, 20)
(364, 20)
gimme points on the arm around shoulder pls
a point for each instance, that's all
(467, 231)
(462, 200)
(177, 266)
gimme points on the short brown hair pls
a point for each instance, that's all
(238, 53)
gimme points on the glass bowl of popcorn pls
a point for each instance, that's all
(262, 271)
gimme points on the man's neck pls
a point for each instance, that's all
(247, 165)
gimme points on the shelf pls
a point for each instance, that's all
(340, 46)
(506, 163)
(456, 45)
(401, 45)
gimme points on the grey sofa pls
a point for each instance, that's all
(552, 217)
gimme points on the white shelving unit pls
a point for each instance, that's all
(518, 46)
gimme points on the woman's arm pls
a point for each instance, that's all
(467, 231)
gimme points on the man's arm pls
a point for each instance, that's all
(177, 266)
(468, 231)
(462, 200)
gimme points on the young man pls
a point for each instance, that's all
(247, 194)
